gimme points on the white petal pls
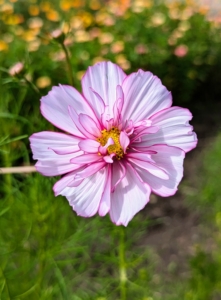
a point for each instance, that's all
(54, 107)
(175, 129)
(104, 206)
(129, 197)
(49, 162)
(169, 159)
(103, 78)
(144, 95)
(85, 198)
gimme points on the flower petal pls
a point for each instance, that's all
(144, 95)
(129, 197)
(169, 159)
(49, 162)
(118, 172)
(124, 141)
(89, 146)
(54, 107)
(180, 136)
(85, 198)
(175, 129)
(148, 166)
(103, 78)
(85, 159)
(64, 182)
(75, 118)
(89, 125)
(104, 206)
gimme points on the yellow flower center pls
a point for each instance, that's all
(116, 148)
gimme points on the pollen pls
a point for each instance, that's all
(116, 148)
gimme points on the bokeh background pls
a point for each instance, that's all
(173, 246)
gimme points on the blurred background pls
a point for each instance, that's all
(173, 246)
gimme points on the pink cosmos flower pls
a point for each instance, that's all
(122, 141)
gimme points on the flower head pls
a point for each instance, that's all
(122, 141)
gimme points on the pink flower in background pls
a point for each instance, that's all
(122, 141)
(181, 50)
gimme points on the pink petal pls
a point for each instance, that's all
(144, 96)
(129, 197)
(85, 198)
(104, 206)
(169, 159)
(49, 162)
(75, 118)
(54, 107)
(118, 105)
(180, 136)
(61, 184)
(89, 146)
(175, 128)
(150, 167)
(103, 78)
(89, 125)
(83, 173)
(118, 173)
(142, 131)
(108, 159)
(99, 104)
(85, 159)
(90, 170)
(124, 141)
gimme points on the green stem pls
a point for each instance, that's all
(70, 72)
(122, 265)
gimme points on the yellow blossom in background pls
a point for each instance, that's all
(80, 74)
(103, 18)
(18, 30)
(158, 19)
(122, 61)
(174, 13)
(8, 38)
(34, 45)
(81, 36)
(203, 10)
(45, 6)
(94, 4)
(29, 35)
(106, 38)
(3, 46)
(34, 23)
(76, 22)
(184, 26)
(13, 19)
(98, 59)
(65, 5)
(86, 18)
(77, 3)
(139, 5)
(7, 8)
(43, 82)
(33, 10)
(117, 47)
(52, 15)
(186, 13)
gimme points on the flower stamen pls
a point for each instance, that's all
(115, 148)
